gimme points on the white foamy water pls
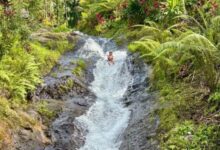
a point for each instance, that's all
(107, 118)
(91, 48)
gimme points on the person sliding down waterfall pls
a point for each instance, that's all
(110, 58)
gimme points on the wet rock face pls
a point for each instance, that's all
(62, 86)
(61, 81)
(64, 133)
(77, 97)
(141, 128)
(65, 92)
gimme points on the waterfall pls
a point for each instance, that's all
(107, 118)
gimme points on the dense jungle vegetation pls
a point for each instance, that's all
(180, 39)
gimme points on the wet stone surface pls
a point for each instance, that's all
(61, 84)
(141, 130)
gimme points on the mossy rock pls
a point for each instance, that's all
(49, 109)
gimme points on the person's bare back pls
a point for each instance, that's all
(110, 58)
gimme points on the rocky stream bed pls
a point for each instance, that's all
(72, 96)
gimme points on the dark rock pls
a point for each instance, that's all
(82, 104)
(141, 130)
(65, 133)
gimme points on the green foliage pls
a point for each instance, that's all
(215, 97)
(67, 87)
(176, 7)
(214, 101)
(6, 42)
(21, 70)
(61, 28)
(22, 63)
(43, 109)
(168, 51)
(182, 47)
(4, 108)
(168, 119)
(77, 71)
(187, 135)
(169, 54)
(20, 73)
(74, 12)
(59, 45)
(45, 57)
(135, 12)
(80, 68)
(178, 101)
(81, 63)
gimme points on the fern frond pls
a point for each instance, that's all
(178, 25)
(147, 44)
(151, 23)
(190, 18)
(148, 28)
(197, 39)
(216, 22)
(4, 77)
(203, 17)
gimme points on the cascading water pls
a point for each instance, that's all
(107, 117)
